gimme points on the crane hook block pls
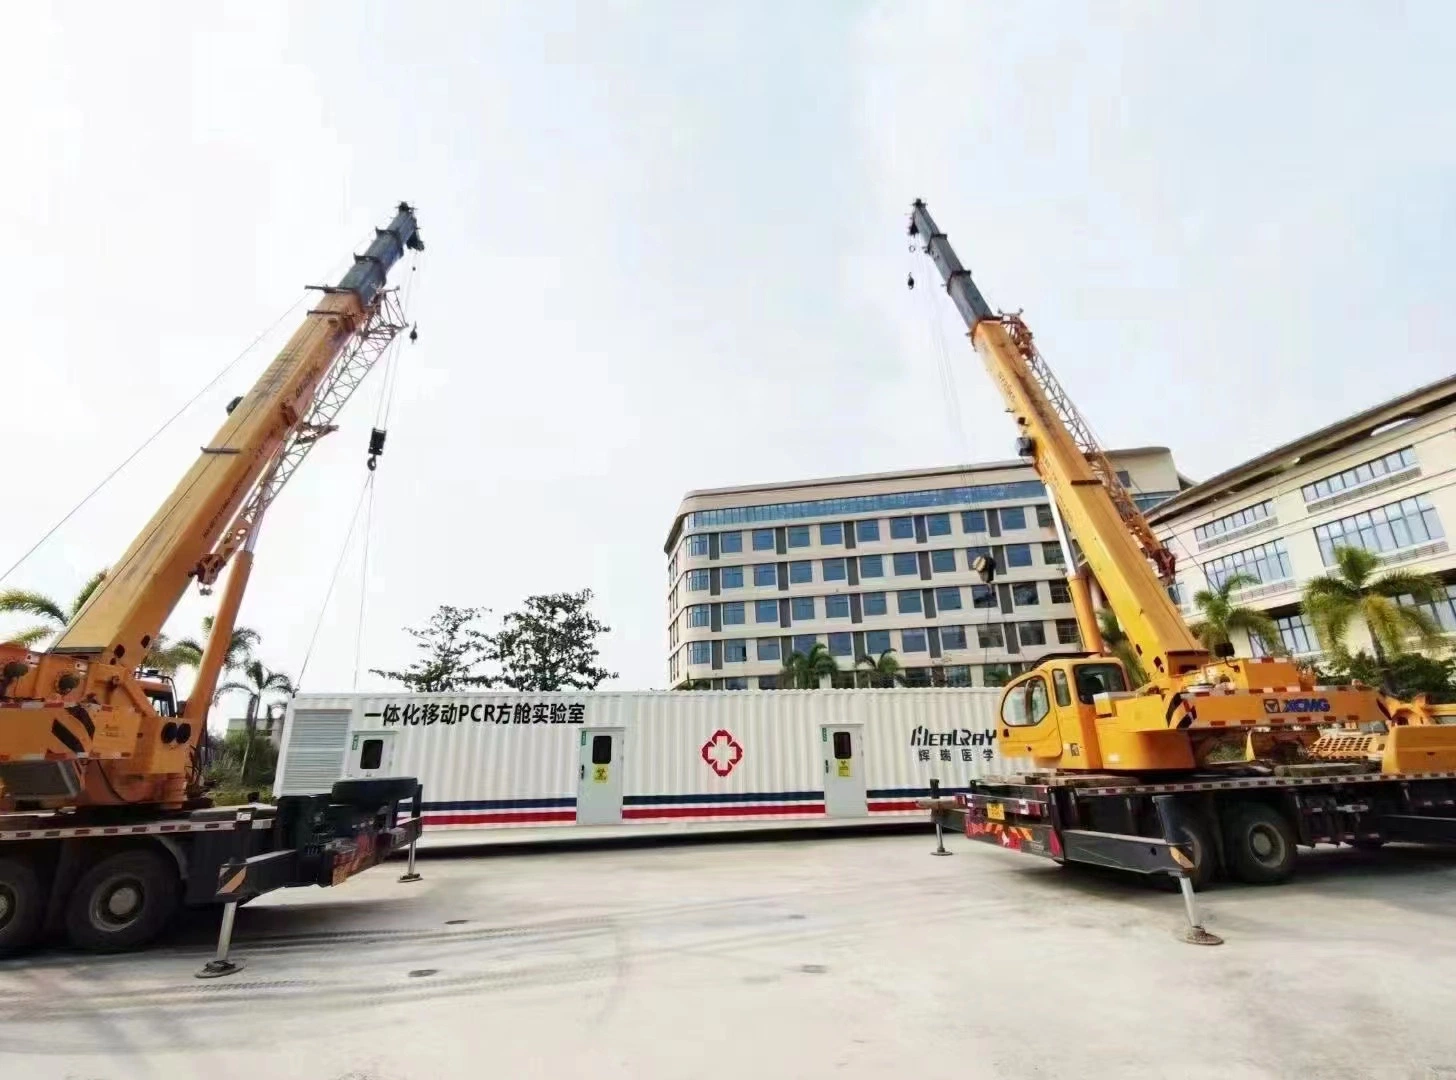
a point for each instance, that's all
(415, 332)
(909, 281)
(376, 446)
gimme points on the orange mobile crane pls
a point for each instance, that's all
(105, 826)
(1120, 765)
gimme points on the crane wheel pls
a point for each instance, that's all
(1205, 853)
(123, 901)
(22, 905)
(1259, 844)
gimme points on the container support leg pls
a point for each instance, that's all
(410, 874)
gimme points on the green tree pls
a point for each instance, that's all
(53, 615)
(240, 646)
(696, 684)
(1410, 674)
(1352, 591)
(259, 683)
(454, 649)
(1221, 616)
(882, 671)
(1116, 641)
(550, 644)
(806, 671)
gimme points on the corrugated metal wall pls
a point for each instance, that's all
(499, 760)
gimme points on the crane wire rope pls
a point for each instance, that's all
(333, 580)
(218, 377)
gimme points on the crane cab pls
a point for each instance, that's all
(1050, 714)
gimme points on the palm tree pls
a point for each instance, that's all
(239, 649)
(885, 671)
(807, 671)
(54, 616)
(258, 683)
(1119, 645)
(1221, 616)
(1350, 591)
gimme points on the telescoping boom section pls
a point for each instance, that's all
(1081, 714)
(77, 725)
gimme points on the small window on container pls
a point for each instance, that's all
(371, 754)
(601, 749)
(842, 746)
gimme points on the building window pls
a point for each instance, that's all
(867, 531)
(1018, 554)
(958, 675)
(1031, 633)
(730, 543)
(831, 533)
(1365, 473)
(1266, 564)
(697, 580)
(856, 505)
(763, 540)
(1060, 590)
(798, 536)
(952, 637)
(765, 573)
(733, 613)
(1013, 517)
(871, 566)
(877, 642)
(1124, 478)
(908, 603)
(700, 652)
(997, 674)
(1044, 517)
(1443, 611)
(841, 645)
(1298, 638)
(732, 577)
(768, 682)
(698, 545)
(983, 596)
(768, 648)
(874, 603)
(973, 521)
(801, 573)
(802, 608)
(766, 611)
(912, 640)
(943, 561)
(948, 598)
(937, 524)
(804, 643)
(1239, 519)
(836, 607)
(834, 570)
(699, 615)
(1051, 554)
(1385, 529)
(735, 682)
(902, 528)
(735, 652)
(906, 564)
(989, 636)
(1024, 594)
(1067, 632)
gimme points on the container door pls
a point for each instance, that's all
(599, 786)
(844, 774)
(371, 753)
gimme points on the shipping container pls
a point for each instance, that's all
(510, 760)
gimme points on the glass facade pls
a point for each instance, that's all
(1365, 473)
(1237, 520)
(1398, 525)
(1266, 564)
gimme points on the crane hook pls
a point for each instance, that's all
(910, 281)
(415, 332)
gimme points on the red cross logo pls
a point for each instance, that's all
(722, 752)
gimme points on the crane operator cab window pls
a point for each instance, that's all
(1028, 704)
(1094, 679)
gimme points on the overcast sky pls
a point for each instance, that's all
(667, 251)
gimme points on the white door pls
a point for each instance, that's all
(844, 774)
(599, 787)
(371, 753)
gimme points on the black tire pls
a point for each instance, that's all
(22, 905)
(123, 901)
(1259, 844)
(1205, 853)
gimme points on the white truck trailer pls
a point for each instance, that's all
(516, 760)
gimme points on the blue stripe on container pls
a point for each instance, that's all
(715, 797)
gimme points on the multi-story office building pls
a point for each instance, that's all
(1384, 480)
(867, 564)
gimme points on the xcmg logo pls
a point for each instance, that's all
(1297, 705)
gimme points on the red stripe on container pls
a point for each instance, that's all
(890, 805)
(501, 817)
